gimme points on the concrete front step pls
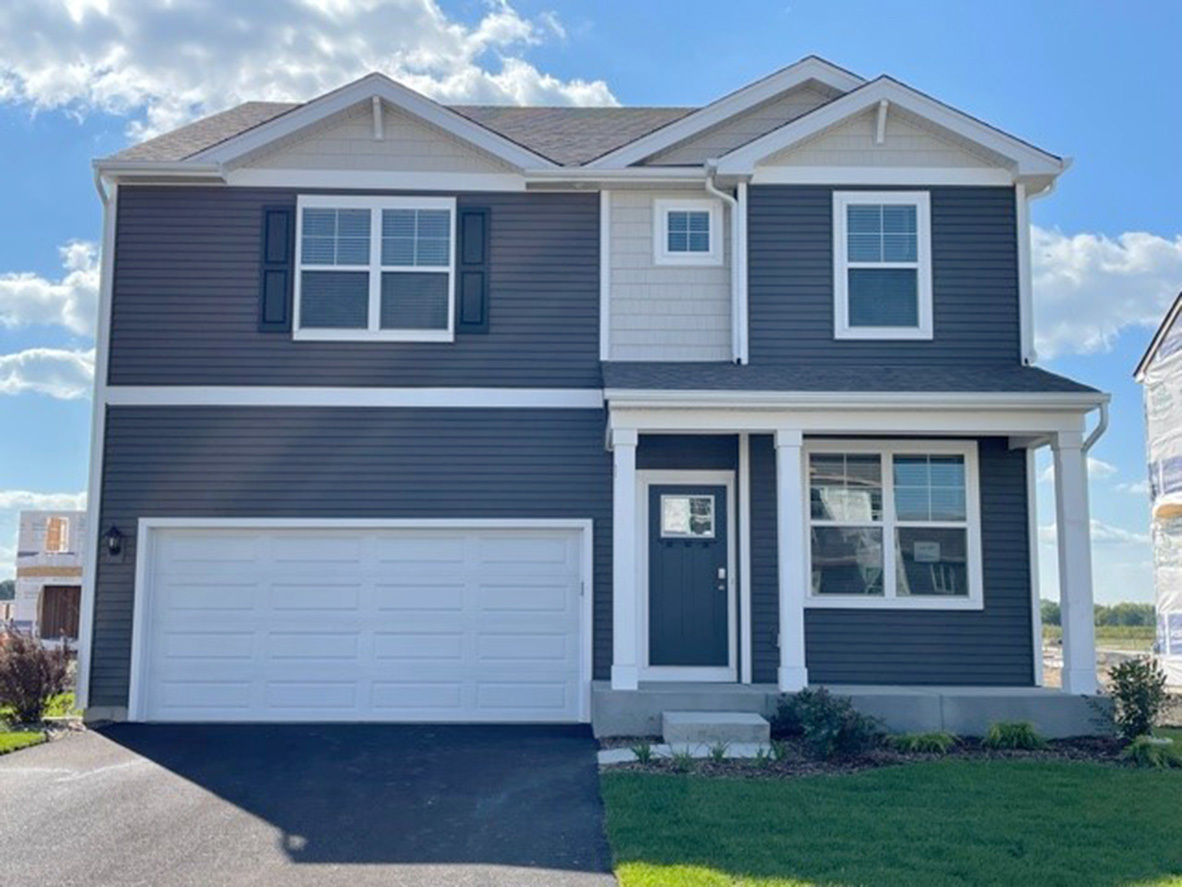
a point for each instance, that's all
(709, 727)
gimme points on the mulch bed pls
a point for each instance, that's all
(795, 762)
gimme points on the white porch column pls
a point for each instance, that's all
(790, 538)
(625, 670)
(1075, 564)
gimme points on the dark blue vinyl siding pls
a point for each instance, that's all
(186, 299)
(992, 646)
(343, 462)
(974, 280)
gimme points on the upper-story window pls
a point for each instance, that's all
(377, 268)
(882, 265)
(687, 232)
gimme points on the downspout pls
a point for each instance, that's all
(738, 260)
(1099, 430)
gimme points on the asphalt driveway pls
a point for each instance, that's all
(293, 805)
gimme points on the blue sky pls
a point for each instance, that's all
(82, 78)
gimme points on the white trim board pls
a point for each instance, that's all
(268, 396)
(392, 180)
(646, 478)
(144, 545)
(918, 176)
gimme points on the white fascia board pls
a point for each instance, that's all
(636, 175)
(364, 90)
(1028, 159)
(1068, 400)
(375, 179)
(917, 176)
(274, 396)
(728, 106)
(133, 169)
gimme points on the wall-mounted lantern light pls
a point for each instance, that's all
(114, 540)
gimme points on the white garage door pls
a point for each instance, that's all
(360, 624)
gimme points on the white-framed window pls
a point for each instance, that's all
(375, 268)
(882, 265)
(687, 232)
(893, 524)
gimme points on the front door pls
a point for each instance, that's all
(688, 581)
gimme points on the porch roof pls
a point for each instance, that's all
(845, 378)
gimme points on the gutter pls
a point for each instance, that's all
(737, 399)
(738, 207)
(182, 169)
(1100, 428)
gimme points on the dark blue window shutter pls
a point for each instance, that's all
(472, 271)
(277, 275)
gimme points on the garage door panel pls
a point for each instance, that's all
(356, 625)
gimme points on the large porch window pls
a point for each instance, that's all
(893, 524)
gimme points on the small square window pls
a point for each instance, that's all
(687, 517)
(687, 232)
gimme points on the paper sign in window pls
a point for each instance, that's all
(687, 517)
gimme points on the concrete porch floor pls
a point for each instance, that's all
(966, 711)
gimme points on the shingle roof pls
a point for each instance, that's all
(841, 378)
(568, 136)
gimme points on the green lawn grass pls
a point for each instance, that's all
(921, 825)
(15, 741)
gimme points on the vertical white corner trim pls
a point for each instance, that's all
(1075, 564)
(605, 275)
(745, 639)
(1025, 275)
(739, 254)
(625, 671)
(1032, 537)
(98, 424)
(790, 557)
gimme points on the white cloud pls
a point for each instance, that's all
(1088, 287)
(57, 372)
(162, 63)
(30, 501)
(1137, 488)
(27, 299)
(1102, 534)
(1098, 469)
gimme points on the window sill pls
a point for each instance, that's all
(839, 602)
(373, 336)
(688, 260)
(884, 333)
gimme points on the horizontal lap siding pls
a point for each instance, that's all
(974, 280)
(343, 463)
(186, 303)
(986, 647)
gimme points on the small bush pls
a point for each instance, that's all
(683, 761)
(643, 751)
(30, 675)
(1138, 695)
(781, 750)
(763, 757)
(829, 726)
(1013, 735)
(925, 743)
(718, 752)
(1155, 752)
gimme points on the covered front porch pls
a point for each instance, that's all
(883, 542)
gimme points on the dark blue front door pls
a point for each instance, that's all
(688, 585)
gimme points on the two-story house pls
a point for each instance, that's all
(413, 412)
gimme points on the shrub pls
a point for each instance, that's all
(829, 726)
(1138, 695)
(683, 761)
(1152, 751)
(781, 750)
(927, 743)
(1013, 735)
(718, 752)
(763, 757)
(29, 675)
(643, 751)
